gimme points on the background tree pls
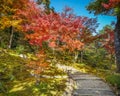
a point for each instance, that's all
(46, 5)
(8, 21)
(109, 7)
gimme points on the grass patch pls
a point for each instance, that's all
(15, 79)
(114, 79)
(47, 87)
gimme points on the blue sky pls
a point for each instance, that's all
(79, 9)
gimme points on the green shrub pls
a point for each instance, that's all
(100, 59)
(114, 79)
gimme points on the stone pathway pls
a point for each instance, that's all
(86, 84)
(89, 85)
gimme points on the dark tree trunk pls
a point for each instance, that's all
(117, 43)
(81, 57)
(11, 37)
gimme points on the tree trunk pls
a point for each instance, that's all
(117, 43)
(81, 57)
(11, 37)
(76, 57)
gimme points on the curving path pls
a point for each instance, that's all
(86, 84)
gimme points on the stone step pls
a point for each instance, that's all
(91, 84)
(102, 89)
(92, 92)
(82, 77)
(79, 73)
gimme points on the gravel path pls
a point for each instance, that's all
(86, 84)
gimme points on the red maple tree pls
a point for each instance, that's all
(108, 40)
(111, 4)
